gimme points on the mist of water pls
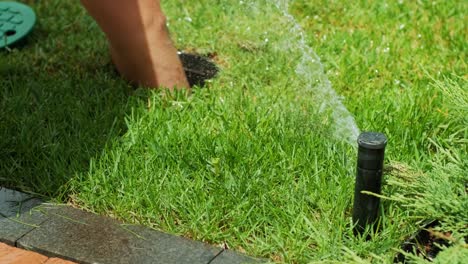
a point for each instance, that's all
(283, 33)
(311, 70)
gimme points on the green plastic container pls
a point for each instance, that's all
(16, 22)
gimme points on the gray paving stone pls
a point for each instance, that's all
(82, 237)
(16, 216)
(12, 202)
(231, 257)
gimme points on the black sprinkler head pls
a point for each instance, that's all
(370, 162)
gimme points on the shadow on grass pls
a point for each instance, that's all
(54, 117)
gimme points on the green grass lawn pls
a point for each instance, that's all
(259, 159)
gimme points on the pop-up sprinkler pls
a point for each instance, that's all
(368, 179)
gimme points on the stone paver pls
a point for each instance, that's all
(68, 233)
(231, 257)
(83, 237)
(16, 217)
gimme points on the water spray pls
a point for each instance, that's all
(370, 162)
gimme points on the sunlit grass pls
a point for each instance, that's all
(248, 160)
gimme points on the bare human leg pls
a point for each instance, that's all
(139, 41)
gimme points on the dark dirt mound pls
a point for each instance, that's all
(198, 68)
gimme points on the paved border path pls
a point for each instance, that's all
(71, 234)
(13, 255)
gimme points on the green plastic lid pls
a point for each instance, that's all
(16, 22)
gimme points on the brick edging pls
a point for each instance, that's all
(75, 235)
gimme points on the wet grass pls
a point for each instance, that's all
(248, 160)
